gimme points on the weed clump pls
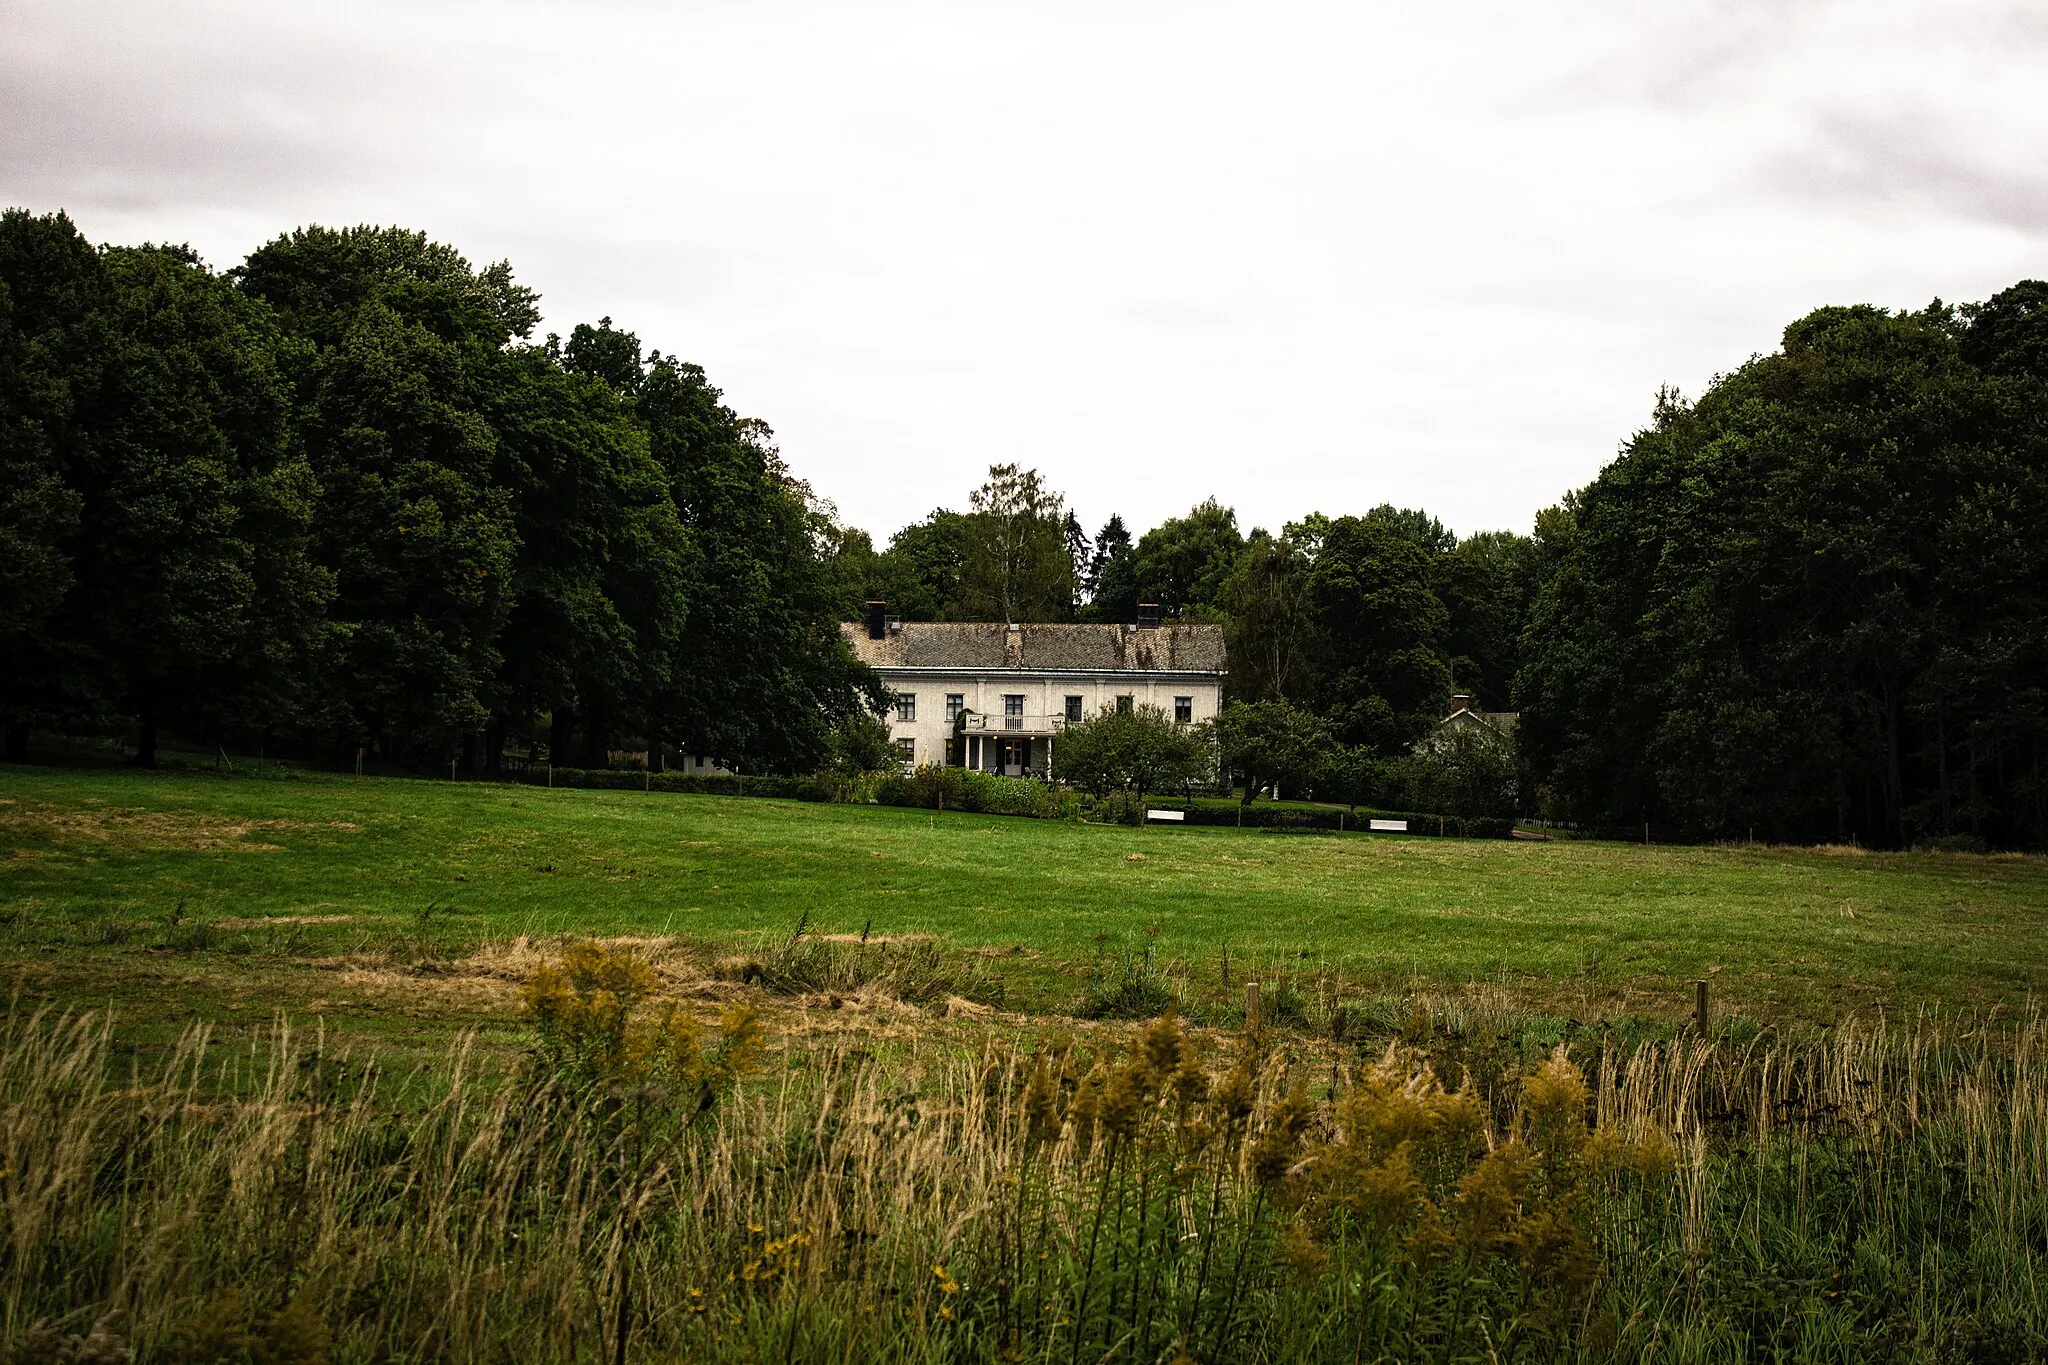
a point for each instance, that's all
(1128, 984)
(596, 1029)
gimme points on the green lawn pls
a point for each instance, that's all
(288, 871)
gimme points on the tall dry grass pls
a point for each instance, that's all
(1877, 1193)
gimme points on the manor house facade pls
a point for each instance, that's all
(995, 697)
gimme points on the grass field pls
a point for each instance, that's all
(268, 1090)
(178, 892)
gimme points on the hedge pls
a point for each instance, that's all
(696, 784)
(1257, 816)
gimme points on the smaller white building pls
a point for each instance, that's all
(995, 697)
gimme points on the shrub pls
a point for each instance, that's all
(914, 970)
(588, 1011)
(1127, 985)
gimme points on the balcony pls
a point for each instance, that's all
(1017, 727)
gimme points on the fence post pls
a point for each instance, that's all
(1699, 1005)
(1251, 1006)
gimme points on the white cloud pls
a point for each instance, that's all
(1298, 256)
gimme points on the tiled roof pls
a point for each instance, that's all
(991, 644)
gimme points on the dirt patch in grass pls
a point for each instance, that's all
(278, 921)
(152, 831)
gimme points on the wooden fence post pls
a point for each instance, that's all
(1251, 1006)
(1699, 1005)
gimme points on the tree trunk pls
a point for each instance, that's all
(471, 756)
(561, 729)
(494, 746)
(17, 741)
(145, 741)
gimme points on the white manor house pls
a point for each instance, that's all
(992, 696)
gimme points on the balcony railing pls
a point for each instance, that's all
(979, 724)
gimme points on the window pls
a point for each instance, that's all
(1124, 704)
(906, 706)
(956, 702)
(1183, 709)
(907, 748)
(1013, 710)
(1073, 708)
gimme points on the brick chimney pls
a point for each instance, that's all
(1460, 702)
(878, 620)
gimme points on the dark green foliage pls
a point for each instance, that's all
(932, 787)
(860, 745)
(332, 498)
(1811, 605)
(1383, 678)
(414, 523)
(1465, 770)
(601, 578)
(1271, 744)
(771, 677)
(1138, 750)
(169, 577)
(1487, 583)
(919, 574)
(1184, 562)
(1269, 628)
(1111, 581)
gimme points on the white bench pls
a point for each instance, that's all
(1390, 826)
(1166, 815)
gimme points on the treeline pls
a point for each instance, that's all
(1368, 621)
(1811, 606)
(1814, 604)
(336, 497)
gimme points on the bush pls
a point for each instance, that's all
(806, 788)
(914, 970)
(937, 788)
(1127, 985)
(1121, 808)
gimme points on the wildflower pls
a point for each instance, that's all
(1163, 1043)
(1125, 1097)
(1041, 1112)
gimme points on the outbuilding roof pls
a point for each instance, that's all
(1045, 648)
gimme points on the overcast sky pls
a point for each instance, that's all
(1295, 256)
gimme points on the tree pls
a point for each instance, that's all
(766, 675)
(1466, 771)
(1487, 583)
(1811, 603)
(1356, 776)
(919, 574)
(51, 286)
(1112, 581)
(1016, 565)
(193, 598)
(1271, 743)
(1379, 633)
(1138, 750)
(600, 579)
(860, 745)
(1415, 526)
(413, 524)
(1184, 563)
(1269, 628)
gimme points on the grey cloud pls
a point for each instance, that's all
(1907, 160)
